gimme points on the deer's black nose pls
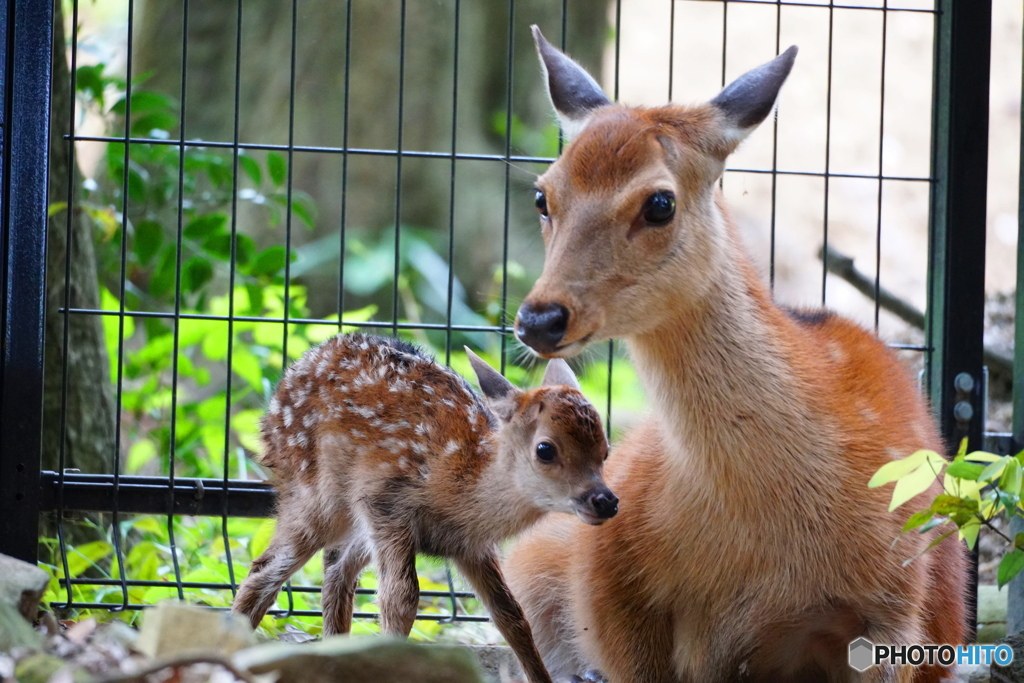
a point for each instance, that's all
(542, 326)
(604, 503)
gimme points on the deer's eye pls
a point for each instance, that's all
(546, 451)
(542, 204)
(660, 207)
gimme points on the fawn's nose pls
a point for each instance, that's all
(541, 326)
(604, 503)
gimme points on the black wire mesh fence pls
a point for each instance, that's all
(240, 182)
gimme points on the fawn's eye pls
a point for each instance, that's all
(660, 207)
(542, 204)
(546, 451)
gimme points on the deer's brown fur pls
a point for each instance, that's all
(749, 546)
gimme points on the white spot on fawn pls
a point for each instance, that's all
(403, 462)
(275, 406)
(309, 419)
(364, 412)
(450, 448)
(288, 416)
(356, 434)
(448, 402)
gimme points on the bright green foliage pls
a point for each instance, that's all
(976, 488)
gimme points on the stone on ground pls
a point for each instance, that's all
(361, 660)
(175, 629)
(22, 585)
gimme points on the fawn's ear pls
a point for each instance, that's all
(558, 373)
(500, 394)
(573, 92)
(748, 100)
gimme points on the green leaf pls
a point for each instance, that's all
(897, 469)
(277, 167)
(251, 168)
(146, 101)
(54, 208)
(932, 523)
(945, 505)
(149, 235)
(137, 182)
(1011, 565)
(270, 261)
(1011, 479)
(916, 520)
(304, 207)
(995, 469)
(965, 470)
(248, 367)
(202, 227)
(981, 456)
(89, 80)
(218, 245)
(196, 273)
(86, 555)
(912, 485)
(162, 282)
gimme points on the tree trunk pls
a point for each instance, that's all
(89, 409)
(373, 119)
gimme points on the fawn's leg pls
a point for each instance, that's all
(399, 590)
(485, 576)
(287, 553)
(343, 563)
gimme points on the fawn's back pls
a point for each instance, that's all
(359, 409)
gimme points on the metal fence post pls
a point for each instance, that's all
(1015, 597)
(956, 288)
(23, 207)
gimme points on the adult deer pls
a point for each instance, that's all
(748, 546)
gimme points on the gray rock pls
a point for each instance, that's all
(361, 660)
(15, 632)
(1014, 672)
(22, 585)
(497, 661)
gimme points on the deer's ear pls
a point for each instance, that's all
(500, 394)
(573, 92)
(558, 373)
(748, 100)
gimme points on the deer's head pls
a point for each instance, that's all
(631, 228)
(550, 441)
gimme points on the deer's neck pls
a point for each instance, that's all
(724, 386)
